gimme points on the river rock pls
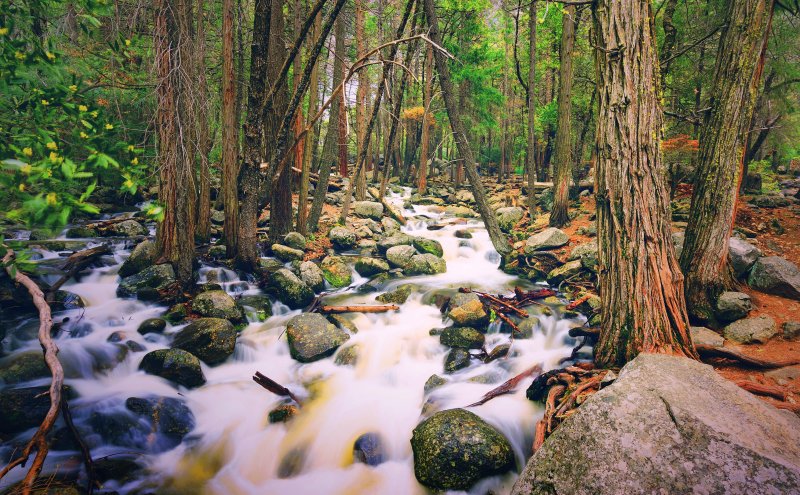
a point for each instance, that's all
(336, 271)
(342, 238)
(285, 253)
(460, 211)
(218, 304)
(175, 365)
(397, 296)
(368, 449)
(368, 209)
(152, 278)
(347, 356)
(742, 255)
(126, 228)
(431, 246)
(400, 256)
(454, 449)
(142, 256)
(466, 310)
(706, 336)
(390, 225)
(367, 267)
(526, 327)
(23, 367)
(393, 240)
(463, 337)
(668, 425)
(311, 275)
(210, 339)
(732, 306)
(549, 238)
(22, 408)
(425, 264)
(433, 382)
(295, 240)
(791, 330)
(464, 196)
(455, 360)
(312, 337)
(463, 234)
(758, 329)
(167, 415)
(776, 275)
(80, 232)
(152, 325)
(290, 289)
(257, 305)
(508, 217)
(282, 413)
(564, 272)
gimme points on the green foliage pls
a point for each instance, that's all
(769, 180)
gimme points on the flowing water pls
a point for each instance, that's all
(233, 449)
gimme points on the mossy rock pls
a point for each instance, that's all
(218, 304)
(311, 337)
(426, 264)
(282, 413)
(347, 356)
(336, 272)
(175, 365)
(431, 246)
(142, 256)
(367, 267)
(23, 367)
(462, 337)
(210, 339)
(290, 290)
(397, 296)
(455, 360)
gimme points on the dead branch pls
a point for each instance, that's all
(358, 309)
(508, 386)
(274, 387)
(75, 263)
(386, 206)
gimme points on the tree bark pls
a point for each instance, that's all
(310, 144)
(230, 135)
(670, 35)
(203, 141)
(722, 142)
(422, 179)
(360, 177)
(641, 285)
(559, 215)
(495, 234)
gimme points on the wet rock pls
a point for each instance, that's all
(668, 425)
(176, 314)
(270, 265)
(285, 253)
(466, 310)
(126, 228)
(217, 252)
(80, 233)
(64, 300)
(175, 365)
(208, 286)
(336, 272)
(295, 240)
(425, 264)
(292, 463)
(460, 211)
(342, 322)
(499, 351)
(142, 256)
(311, 337)
(218, 304)
(431, 246)
(342, 238)
(400, 256)
(393, 240)
(257, 306)
(347, 356)
(120, 469)
(566, 271)
(455, 360)
(732, 306)
(508, 217)
(23, 367)
(282, 413)
(454, 449)
(290, 289)
(434, 382)
(368, 449)
(390, 225)
(706, 336)
(210, 339)
(549, 238)
(368, 209)
(168, 415)
(463, 337)
(311, 274)
(463, 234)
(742, 255)
(22, 408)
(758, 329)
(776, 275)
(526, 327)
(770, 201)
(367, 267)
(156, 277)
(397, 296)
(791, 330)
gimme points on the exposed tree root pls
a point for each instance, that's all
(507, 386)
(707, 351)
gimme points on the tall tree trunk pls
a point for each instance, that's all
(498, 239)
(723, 139)
(310, 144)
(670, 35)
(361, 102)
(563, 152)
(641, 285)
(280, 178)
(230, 135)
(426, 124)
(203, 141)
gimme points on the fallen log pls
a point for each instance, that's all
(761, 389)
(707, 351)
(274, 387)
(358, 309)
(75, 263)
(507, 386)
(386, 206)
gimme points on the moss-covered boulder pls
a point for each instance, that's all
(398, 239)
(342, 238)
(23, 367)
(455, 360)
(400, 256)
(431, 246)
(81, 232)
(153, 278)
(368, 209)
(210, 339)
(397, 296)
(290, 290)
(167, 415)
(311, 337)
(257, 306)
(425, 264)
(218, 304)
(463, 337)
(508, 217)
(347, 356)
(22, 408)
(286, 253)
(175, 365)
(467, 310)
(126, 228)
(312, 275)
(454, 449)
(566, 271)
(142, 256)
(295, 240)
(367, 267)
(152, 325)
(336, 272)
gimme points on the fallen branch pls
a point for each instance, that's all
(386, 206)
(507, 386)
(708, 351)
(761, 389)
(75, 263)
(358, 309)
(574, 304)
(274, 387)
(39, 439)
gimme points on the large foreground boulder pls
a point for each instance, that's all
(142, 256)
(290, 290)
(454, 449)
(775, 275)
(153, 278)
(210, 339)
(669, 425)
(218, 304)
(312, 337)
(549, 238)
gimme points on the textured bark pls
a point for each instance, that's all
(641, 285)
(310, 143)
(563, 149)
(670, 35)
(722, 142)
(422, 179)
(360, 177)
(230, 135)
(203, 140)
(498, 239)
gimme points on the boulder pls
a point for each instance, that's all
(587, 254)
(758, 329)
(563, 272)
(286, 253)
(791, 330)
(742, 255)
(312, 337)
(82, 232)
(454, 449)
(175, 365)
(336, 271)
(218, 304)
(367, 267)
(464, 196)
(217, 217)
(526, 327)
(400, 256)
(776, 275)
(153, 278)
(126, 228)
(668, 425)
(368, 209)
(390, 225)
(311, 275)
(368, 449)
(706, 336)
(770, 201)
(398, 295)
(433, 382)
(22, 408)
(290, 289)
(462, 337)
(347, 356)
(508, 217)
(210, 339)
(142, 256)
(460, 211)
(167, 415)
(295, 240)
(732, 306)
(425, 264)
(467, 310)
(257, 306)
(455, 360)
(463, 234)
(342, 238)
(393, 240)
(549, 238)
(23, 367)
(152, 325)
(431, 246)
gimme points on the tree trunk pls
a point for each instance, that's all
(670, 35)
(641, 285)
(230, 135)
(426, 124)
(722, 142)
(498, 239)
(360, 178)
(203, 141)
(563, 149)
(310, 144)
(530, 155)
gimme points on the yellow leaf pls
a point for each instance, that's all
(27, 151)
(51, 145)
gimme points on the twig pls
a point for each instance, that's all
(507, 386)
(274, 387)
